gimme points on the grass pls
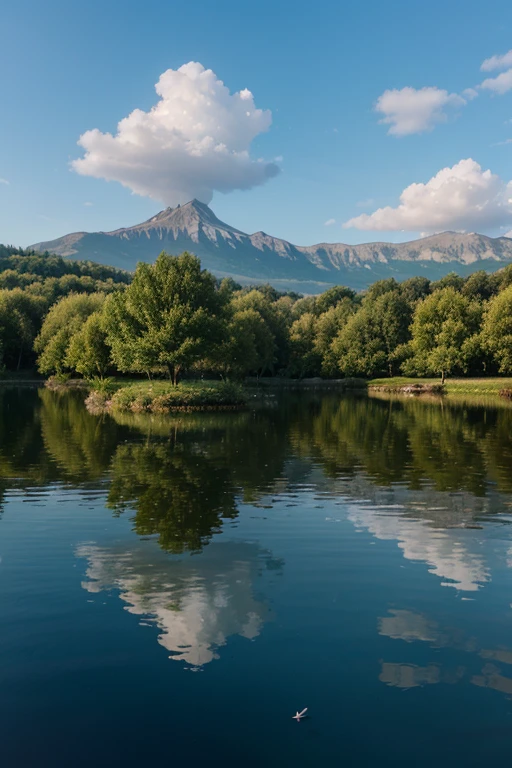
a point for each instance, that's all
(455, 386)
(163, 397)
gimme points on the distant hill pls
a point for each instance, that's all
(227, 251)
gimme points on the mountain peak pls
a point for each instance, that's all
(187, 213)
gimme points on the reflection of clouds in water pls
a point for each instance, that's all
(410, 627)
(491, 678)
(197, 603)
(419, 541)
(408, 675)
(412, 676)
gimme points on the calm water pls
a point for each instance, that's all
(172, 590)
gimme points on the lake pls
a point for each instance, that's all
(173, 589)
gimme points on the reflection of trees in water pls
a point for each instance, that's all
(196, 603)
(177, 491)
(81, 445)
(22, 453)
(182, 474)
(453, 447)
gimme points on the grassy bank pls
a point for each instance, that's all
(163, 397)
(455, 386)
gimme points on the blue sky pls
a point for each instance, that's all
(322, 69)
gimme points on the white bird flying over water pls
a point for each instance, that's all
(299, 715)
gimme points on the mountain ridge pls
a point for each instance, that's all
(257, 257)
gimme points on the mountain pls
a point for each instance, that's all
(257, 258)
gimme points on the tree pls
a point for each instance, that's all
(304, 357)
(64, 319)
(20, 319)
(332, 297)
(275, 321)
(451, 280)
(497, 329)
(88, 352)
(479, 285)
(372, 340)
(415, 288)
(380, 287)
(248, 346)
(444, 331)
(327, 327)
(171, 316)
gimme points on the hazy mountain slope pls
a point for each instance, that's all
(260, 257)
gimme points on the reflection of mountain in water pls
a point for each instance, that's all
(414, 627)
(197, 604)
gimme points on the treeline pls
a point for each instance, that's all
(173, 317)
(31, 283)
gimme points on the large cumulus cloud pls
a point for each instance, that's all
(194, 141)
(463, 197)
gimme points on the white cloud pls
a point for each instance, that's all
(88, 205)
(497, 62)
(470, 93)
(329, 222)
(463, 197)
(194, 141)
(500, 84)
(409, 111)
(4, 181)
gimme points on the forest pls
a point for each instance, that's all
(174, 319)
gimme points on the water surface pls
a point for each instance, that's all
(173, 589)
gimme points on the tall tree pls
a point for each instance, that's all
(20, 319)
(497, 329)
(88, 352)
(247, 347)
(171, 316)
(444, 333)
(275, 320)
(304, 357)
(371, 341)
(64, 319)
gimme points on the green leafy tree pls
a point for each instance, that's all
(305, 359)
(247, 347)
(20, 319)
(380, 287)
(451, 280)
(171, 316)
(444, 328)
(372, 340)
(274, 319)
(88, 352)
(497, 329)
(332, 297)
(479, 285)
(64, 319)
(414, 289)
(328, 326)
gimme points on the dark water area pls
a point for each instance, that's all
(174, 589)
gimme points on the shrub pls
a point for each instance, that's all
(162, 397)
